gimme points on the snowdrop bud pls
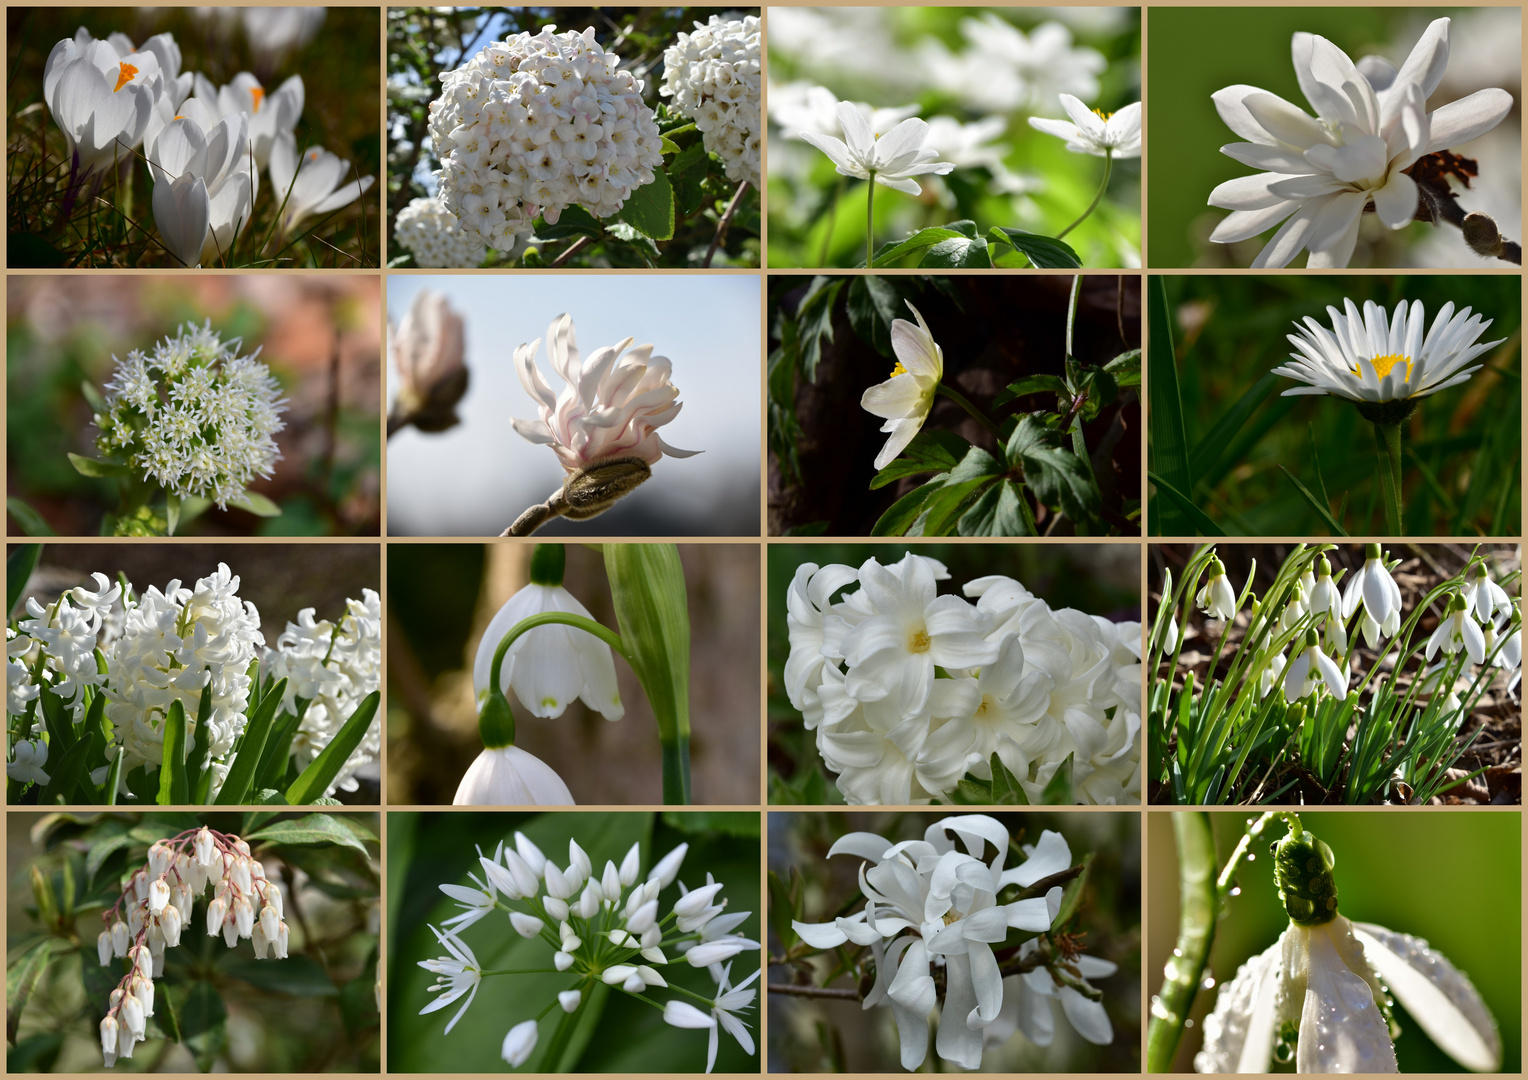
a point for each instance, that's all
(634, 984)
(630, 866)
(205, 848)
(714, 952)
(119, 938)
(527, 926)
(216, 911)
(142, 960)
(243, 917)
(109, 1038)
(589, 901)
(170, 924)
(644, 918)
(143, 990)
(696, 901)
(610, 883)
(160, 858)
(682, 1014)
(557, 885)
(556, 909)
(268, 921)
(281, 941)
(159, 895)
(530, 853)
(578, 860)
(562, 961)
(519, 1043)
(668, 867)
(132, 1016)
(618, 973)
(569, 1000)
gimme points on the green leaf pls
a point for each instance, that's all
(1060, 478)
(310, 829)
(1318, 505)
(1168, 441)
(173, 788)
(171, 512)
(1045, 252)
(651, 208)
(1006, 789)
(204, 1023)
(667, 147)
(573, 222)
(1207, 453)
(808, 528)
(32, 523)
(322, 770)
(255, 503)
(1201, 521)
(297, 975)
(198, 770)
(707, 822)
(101, 850)
(1032, 384)
(20, 981)
(874, 304)
(930, 451)
(1059, 791)
(65, 774)
(924, 238)
(101, 470)
(687, 173)
(19, 565)
(1126, 368)
(998, 512)
(247, 759)
(815, 316)
(950, 502)
(900, 516)
(958, 253)
(92, 396)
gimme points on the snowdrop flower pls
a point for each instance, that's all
(1369, 358)
(509, 776)
(1312, 667)
(1093, 132)
(1327, 979)
(456, 975)
(100, 100)
(611, 407)
(28, 757)
(891, 160)
(1323, 593)
(319, 184)
(1484, 598)
(1373, 586)
(1323, 171)
(1457, 630)
(1216, 598)
(906, 398)
(434, 237)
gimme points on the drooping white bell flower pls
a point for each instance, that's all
(1216, 598)
(1373, 586)
(1094, 132)
(1457, 630)
(1485, 599)
(509, 776)
(318, 184)
(906, 398)
(28, 757)
(1310, 669)
(893, 159)
(519, 1043)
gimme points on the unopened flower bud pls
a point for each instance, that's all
(243, 917)
(696, 900)
(519, 1044)
(668, 867)
(610, 883)
(142, 959)
(527, 926)
(269, 920)
(260, 942)
(109, 1038)
(281, 941)
(555, 908)
(578, 860)
(562, 961)
(644, 917)
(160, 858)
(131, 1012)
(159, 895)
(216, 912)
(206, 848)
(143, 990)
(631, 865)
(569, 1000)
(530, 853)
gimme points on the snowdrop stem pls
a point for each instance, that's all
(1103, 187)
(981, 417)
(1198, 907)
(1387, 438)
(870, 221)
(1227, 879)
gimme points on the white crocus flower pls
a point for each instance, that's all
(1371, 358)
(509, 776)
(203, 184)
(906, 398)
(319, 184)
(550, 666)
(272, 114)
(1094, 132)
(1457, 630)
(893, 159)
(1216, 598)
(1323, 171)
(101, 100)
(455, 976)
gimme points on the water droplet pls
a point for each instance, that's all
(1177, 952)
(1251, 857)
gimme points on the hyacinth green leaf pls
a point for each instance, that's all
(256, 733)
(322, 770)
(173, 788)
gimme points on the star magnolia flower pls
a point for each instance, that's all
(612, 406)
(1094, 132)
(320, 184)
(1369, 358)
(891, 160)
(100, 100)
(1371, 124)
(508, 776)
(906, 398)
(551, 665)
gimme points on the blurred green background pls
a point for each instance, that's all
(1100, 579)
(1453, 878)
(1463, 446)
(617, 1034)
(1197, 51)
(816, 1035)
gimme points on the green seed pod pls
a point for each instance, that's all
(1302, 868)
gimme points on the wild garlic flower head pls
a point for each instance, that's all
(1094, 132)
(599, 926)
(174, 643)
(713, 77)
(154, 910)
(537, 123)
(1375, 357)
(433, 235)
(193, 416)
(1326, 986)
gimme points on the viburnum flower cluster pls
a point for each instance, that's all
(713, 77)
(155, 909)
(933, 922)
(908, 691)
(193, 416)
(537, 123)
(435, 237)
(608, 928)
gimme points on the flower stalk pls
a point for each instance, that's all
(1102, 187)
(870, 221)
(982, 418)
(1387, 438)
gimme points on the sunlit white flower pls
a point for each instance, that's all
(799, 107)
(1310, 669)
(1485, 599)
(1216, 598)
(1004, 69)
(434, 236)
(906, 398)
(1457, 630)
(1369, 358)
(713, 76)
(203, 185)
(891, 160)
(318, 184)
(100, 100)
(1371, 124)
(275, 32)
(1095, 132)
(271, 114)
(1373, 586)
(729, 1000)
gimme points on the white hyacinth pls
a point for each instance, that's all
(434, 237)
(538, 123)
(713, 77)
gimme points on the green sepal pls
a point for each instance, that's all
(496, 721)
(547, 563)
(1302, 868)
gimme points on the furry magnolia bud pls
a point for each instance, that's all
(596, 488)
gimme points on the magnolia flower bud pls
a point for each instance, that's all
(569, 1000)
(427, 350)
(527, 926)
(519, 1043)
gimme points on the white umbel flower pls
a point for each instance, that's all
(1371, 358)
(713, 77)
(433, 235)
(1371, 124)
(1094, 132)
(893, 159)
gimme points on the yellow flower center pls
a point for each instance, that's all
(1383, 364)
(898, 370)
(981, 710)
(1102, 115)
(918, 641)
(951, 916)
(124, 76)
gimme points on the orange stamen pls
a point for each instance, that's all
(125, 76)
(256, 95)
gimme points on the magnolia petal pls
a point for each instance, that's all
(820, 935)
(1458, 122)
(1088, 1017)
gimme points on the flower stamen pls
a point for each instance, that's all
(124, 76)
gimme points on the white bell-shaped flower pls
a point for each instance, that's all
(550, 666)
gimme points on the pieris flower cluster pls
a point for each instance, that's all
(332, 667)
(535, 124)
(713, 77)
(598, 928)
(154, 910)
(932, 918)
(1035, 686)
(193, 416)
(433, 235)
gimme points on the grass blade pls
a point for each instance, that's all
(1198, 518)
(1208, 452)
(1169, 443)
(1318, 505)
(322, 770)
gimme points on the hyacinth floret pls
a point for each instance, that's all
(435, 237)
(193, 416)
(713, 77)
(537, 123)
